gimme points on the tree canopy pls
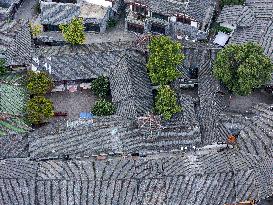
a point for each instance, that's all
(164, 57)
(166, 102)
(73, 32)
(103, 108)
(101, 86)
(39, 83)
(36, 29)
(39, 109)
(242, 67)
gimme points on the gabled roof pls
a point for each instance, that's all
(7, 3)
(8, 31)
(58, 13)
(131, 88)
(260, 32)
(212, 104)
(261, 8)
(13, 146)
(80, 62)
(216, 178)
(15, 42)
(19, 51)
(184, 126)
(254, 23)
(198, 9)
(257, 135)
(242, 16)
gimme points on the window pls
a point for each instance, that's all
(135, 28)
(160, 16)
(51, 28)
(156, 28)
(139, 9)
(183, 19)
(92, 27)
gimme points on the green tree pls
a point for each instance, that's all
(101, 86)
(166, 102)
(103, 108)
(242, 67)
(39, 109)
(231, 2)
(36, 29)
(73, 32)
(3, 69)
(39, 83)
(164, 57)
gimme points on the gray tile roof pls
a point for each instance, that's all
(254, 22)
(260, 32)
(217, 178)
(261, 8)
(198, 9)
(108, 135)
(8, 32)
(228, 176)
(20, 50)
(16, 42)
(58, 13)
(13, 146)
(5, 5)
(212, 104)
(187, 30)
(242, 16)
(257, 136)
(184, 126)
(80, 62)
(130, 86)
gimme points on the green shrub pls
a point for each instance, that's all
(166, 102)
(36, 29)
(73, 32)
(101, 86)
(39, 109)
(103, 108)
(111, 23)
(3, 69)
(39, 83)
(231, 2)
(219, 28)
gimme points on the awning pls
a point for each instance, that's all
(86, 115)
(221, 39)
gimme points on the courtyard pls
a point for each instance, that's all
(72, 103)
(242, 104)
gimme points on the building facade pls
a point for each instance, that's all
(181, 19)
(96, 14)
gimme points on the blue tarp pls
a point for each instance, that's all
(86, 115)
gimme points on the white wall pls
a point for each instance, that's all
(103, 3)
(194, 23)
